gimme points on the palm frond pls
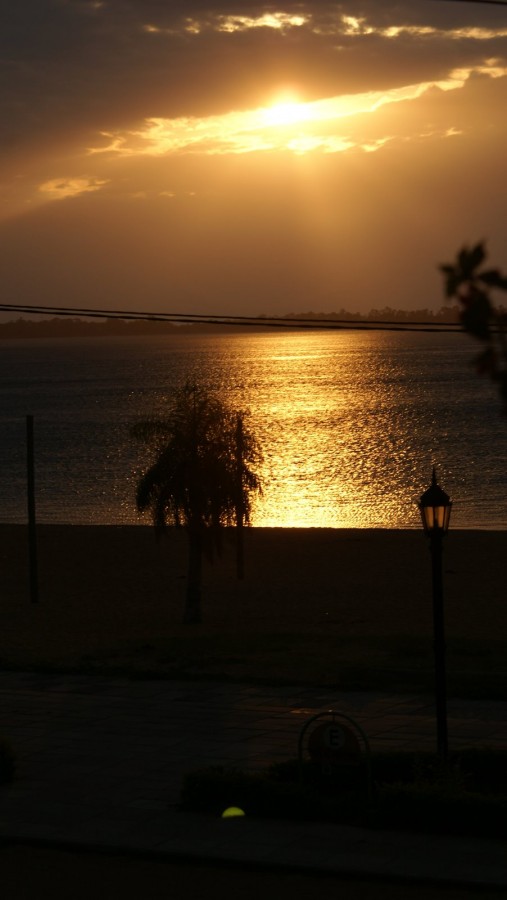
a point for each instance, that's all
(202, 476)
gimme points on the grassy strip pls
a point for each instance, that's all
(410, 792)
(399, 664)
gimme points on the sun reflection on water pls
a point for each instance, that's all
(350, 423)
(349, 427)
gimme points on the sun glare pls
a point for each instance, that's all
(328, 125)
(286, 111)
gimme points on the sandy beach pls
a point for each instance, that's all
(100, 585)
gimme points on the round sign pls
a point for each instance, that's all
(333, 743)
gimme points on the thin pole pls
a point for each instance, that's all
(32, 525)
(439, 638)
(240, 513)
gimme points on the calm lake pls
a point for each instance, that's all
(350, 423)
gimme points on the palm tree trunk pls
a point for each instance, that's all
(240, 513)
(193, 599)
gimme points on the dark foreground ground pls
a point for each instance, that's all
(347, 609)
(350, 608)
(30, 872)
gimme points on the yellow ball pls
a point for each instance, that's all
(231, 812)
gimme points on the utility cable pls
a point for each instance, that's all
(298, 322)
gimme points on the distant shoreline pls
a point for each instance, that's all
(66, 326)
(269, 529)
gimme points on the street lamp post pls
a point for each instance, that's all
(435, 507)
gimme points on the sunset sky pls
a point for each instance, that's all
(248, 158)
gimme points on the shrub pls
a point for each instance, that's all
(439, 809)
(411, 791)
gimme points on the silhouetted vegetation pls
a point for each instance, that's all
(471, 284)
(447, 315)
(74, 327)
(202, 478)
(411, 791)
(65, 327)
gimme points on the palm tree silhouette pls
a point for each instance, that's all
(202, 478)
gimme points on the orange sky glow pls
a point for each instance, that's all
(248, 158)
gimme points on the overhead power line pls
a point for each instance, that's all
(299, 322)
(480, 2)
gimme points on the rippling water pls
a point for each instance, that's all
(350, 422)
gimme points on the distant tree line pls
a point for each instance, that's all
(445, 315)
(68, 327)
(63, 327)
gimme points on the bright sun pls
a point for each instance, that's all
(286, 110)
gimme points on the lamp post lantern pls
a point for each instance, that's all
(435, 508)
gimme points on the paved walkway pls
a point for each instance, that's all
(100, 763)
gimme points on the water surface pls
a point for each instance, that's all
(351, 423)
